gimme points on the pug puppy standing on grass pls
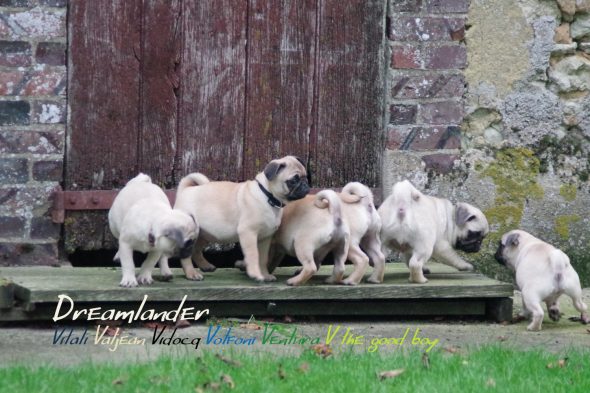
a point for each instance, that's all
(543, 274)
(421, 226)
(142, 219)
(249, 212)
(311, 228)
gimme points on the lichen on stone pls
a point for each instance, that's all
(514, 172)
(562, 225)
(568, 192)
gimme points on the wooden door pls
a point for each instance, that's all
(169, 87)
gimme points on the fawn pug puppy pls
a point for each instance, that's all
(364, 223)
(422, 226)
(543, 274)
(249, 212)
(311, 228)
(142, 219)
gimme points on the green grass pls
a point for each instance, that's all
(487, 369)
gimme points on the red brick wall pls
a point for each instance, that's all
(427, 58)
(33, 81)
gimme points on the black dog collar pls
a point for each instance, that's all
(274, 202)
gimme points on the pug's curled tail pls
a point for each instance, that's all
(355, 192)
(559, 262)
(329, 199)
(141, 178)
(190, 180)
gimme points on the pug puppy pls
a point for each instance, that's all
(364, 223)
(311, 228)
(543, 274)
(421, 226)
(142, 219)
(249, 212)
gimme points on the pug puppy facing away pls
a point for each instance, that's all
(421, 226)
(543, 274)
(249, 212)
(142, 219)
(311, 228)
(364, 223)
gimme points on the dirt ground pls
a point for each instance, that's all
(33, 344)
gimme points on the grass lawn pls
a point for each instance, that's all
(489, 368)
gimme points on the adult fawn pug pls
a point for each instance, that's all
(311, 228)
(142, 219)
(543, 274)
(249, 212)
(364, 223)
(421, 226)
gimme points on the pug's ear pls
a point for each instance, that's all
(151, 239)
(301, 161)
(512, 240)
(462, 215)
(272, 169)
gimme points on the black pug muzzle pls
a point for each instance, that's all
(298, 190)
(499, 255)
(472, 243)
(187, 249)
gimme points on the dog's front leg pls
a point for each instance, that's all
(165, 269)
(447, 255)
(125, 256)
(264, 248)
(145, 273)
(249, 244)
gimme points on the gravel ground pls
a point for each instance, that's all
(33, 344)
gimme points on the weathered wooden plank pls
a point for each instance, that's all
(367, 308)
(348, 137)
(279, 86)
(101, 284)
(160, 59)
(103, 92)
(212, 80)
(6, 293)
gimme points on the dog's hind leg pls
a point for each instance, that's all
(373, 250)
(533, 304)
(360, 261)
(304, 254)
(415, 264)
(553, 308)
(575, 292)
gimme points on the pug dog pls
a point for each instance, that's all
(142, 219)
(249, 212)
(421, 226)
(311, 228)
(364, 223)
(543, 274)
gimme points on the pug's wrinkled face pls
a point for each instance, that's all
(508, 249)
(287, 178)
(175, 235)
(472, 228)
